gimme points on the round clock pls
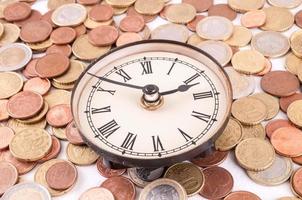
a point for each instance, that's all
(152, 103)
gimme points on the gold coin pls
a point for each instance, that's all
(72, 74)
(180, 13)
(145, 33)
(55, 97)
(194, 39)
(117, 10)
(149, 7)
(10, 35)
(254, 131)
(60, 133)
(10, 84)
(53, 4)
(230, 137)
(1, 29)
(248, 62)
(81, 155)
(120, 3)
(241, 37)
(293, 63)
(188, 175)
(255, 154)
(246, 5)
(278, 19)
(82, 49)
(91, 24)
(271, 102)
(249, 111)
(294, 112)
(62, 86)
(295, 43)
(40, 46)
(36, 118)
(18, 126)
(30, 144)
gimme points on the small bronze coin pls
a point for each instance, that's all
(121, 188)
(47, 17)
(147, 18)
(218, 183)
(59, 115)
(107, 172)
(192, 24)
(73, 134)
(4, 115)
(240, 195)
(200, 5)
(60, 49)
(134, 23)
(52, 65)
(54, 151)
(286, 101)
(6, 135)
(273, 125)
(24, 105)
(38, 85)
(101, 13)
(16, 11)
(9, 176)
(280, 83)
(35, 31)
(222, 10)
(298, 160)
(80, 29)
(63, 35)
(126, 38)
(61, 175)
(297, 181)
(34, 16)
(212, 159)
(298, 19)
(103, 35)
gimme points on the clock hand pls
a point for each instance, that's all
(181, 88)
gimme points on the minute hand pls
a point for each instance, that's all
(181, 88)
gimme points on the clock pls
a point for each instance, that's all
(152, 103)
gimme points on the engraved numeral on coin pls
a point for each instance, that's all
(109, 128)
(112, 92)
(186, 136)
(171, 68)
(157, 144)
(101, 110)
(129, 141)
(123, 74)
(147, 67)
(203, 95)
(201, 116)
(192, 78)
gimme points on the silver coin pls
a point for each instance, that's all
(285, 3)
(27, 191)
(220, 51)
(163, 189)
(271, 44)
(215, 28)
(277, 174)
(171, 32)
(242, 85)
(14, 56)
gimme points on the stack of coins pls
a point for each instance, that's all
(43, 54)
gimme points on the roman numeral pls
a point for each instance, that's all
(129, 141)
(192, 78)
(186, 136)
(201, 116)
(101, 110)
(123, 74)
(112, 92)
(109, 128)
(203, 95)
(157, 144)
(147, 67)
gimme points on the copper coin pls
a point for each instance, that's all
(121, 188)
(34, 16)
(103, 35)
(126, 38)
(101, 13)
(133, 23)
(47, 17)
(192, 25)
(147, 18)
(4, 115)
(52, 65)
(287, 141)
(286, 101)
(38, 85)
(6, 135)
(200, 5)
(61, 175)
(73, 134)
(59, 115)
(80, 30)
(9, 176)
(63, 35)
(30, 68)
(60, 49)
(218, 183)
(35, 31)
(24, 105)
(280, 83)
(223, 10)
(298, 19)
(273, 125)
(242, 195)
(297, 181)
(298, 160)
(54, 151)
(107, 172)
(214, 158)
(16, 11)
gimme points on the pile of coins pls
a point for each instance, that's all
(42, 56)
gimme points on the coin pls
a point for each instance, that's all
(296, 181)
(171, 32)
(133, 23)
(253, 19)
(63, 35)
(180, 13)
(62, 86)
(200, 6)
(255, 131)
(53, 4)
(16, 11)
(230, 137)
(286, 101)
(59, 115)
(9, 176)
(69, 15)
(6, 135)
(244, 6)
(248, 61)
(121, 188)
(295, 40)
(271, 44)
(194, 39)
(73, 135)
(30, 144)
(40, 46)
(10, 84)
(220, 51)
(35, 31)
(188, 175)
(61, 49)
(255, 154)
(293, 112)
(59, 133)
(107, 172)
(212, 159)
(222, 10)
(80, 29)
(287, 4)
(149, 7)
(55, 150)
(52, 65)
(120, 3)
(293, 63)
(147, 18)
(81, 155)
(272, 126)
(267, 68)
(242, 85)
(276, 174)
(97, 35)
(280, 83)
(163, 188)
(90, 24)
(38, 85)
(4, 115)
(55, 97)
(18, 126)
(133, 174)
(277, 19)
(241, 37)
(242, 194)
(192, 24)
(249, 111)
(101, 13)
(34, 16)
(216, 188)
(10, 35)
(271, 102)
(298, 19)
(27, 191)
(215, 28)
(97, 193)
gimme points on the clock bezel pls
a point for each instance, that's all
(157, 162)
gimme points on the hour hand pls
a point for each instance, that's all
(181, 88)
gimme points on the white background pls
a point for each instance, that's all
(89, 177)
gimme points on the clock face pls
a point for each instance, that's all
(112, 119)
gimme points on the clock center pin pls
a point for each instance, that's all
(151, 99)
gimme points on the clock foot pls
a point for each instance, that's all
(149, 174)
(207, 152)
(113, 165)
